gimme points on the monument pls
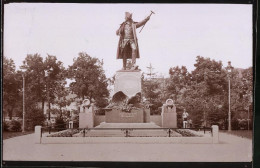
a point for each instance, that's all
(86, 115)
(126, 106)
(169, 115)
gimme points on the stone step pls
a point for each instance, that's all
(127, 125)
(148, 133)
(105, 133)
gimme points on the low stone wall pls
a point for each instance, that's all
(157, 119)
(145, 140)
(99, 119)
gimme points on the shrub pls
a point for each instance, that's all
(60, 124)
(64, 133)
(234, 124)
(188, 133)
(15, 125)
(6, 126)
(34, 117)
(100, 112)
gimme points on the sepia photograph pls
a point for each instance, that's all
(127, 82)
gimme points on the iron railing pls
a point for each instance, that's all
(127, 131)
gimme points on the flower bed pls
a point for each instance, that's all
(64, 133)
(188, 133)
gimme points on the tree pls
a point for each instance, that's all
(179, 81)
(201, 92)
(33, 66)
(241, 95)
(152, 91)
(56, 81)
(11, 87)
(38, 84)
(62, 101)
(90, 80)
(37, 81)
(210, 85)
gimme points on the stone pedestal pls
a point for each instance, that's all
(86, 118)
(215, 130)
(169, 116)
(38, 134)
(147, 114)
(129, 82)
(118, 116)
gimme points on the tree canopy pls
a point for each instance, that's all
(89, 79)
(202, 92)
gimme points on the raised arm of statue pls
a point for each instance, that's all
(139, 24)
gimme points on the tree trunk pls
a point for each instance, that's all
(60, 113)
(42, 106)
(4, 115)
(10, 113)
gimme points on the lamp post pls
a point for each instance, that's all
(23, 129)
(250, 101)
(47, 74)
(229, 70)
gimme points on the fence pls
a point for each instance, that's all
(127, 131)
(57, 127)
(127, 135)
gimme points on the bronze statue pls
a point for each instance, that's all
(128, 45)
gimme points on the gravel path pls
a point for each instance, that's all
(230, 149)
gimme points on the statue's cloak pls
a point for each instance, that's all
(127, 52)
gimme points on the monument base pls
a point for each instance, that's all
(169, 120)
(147, 115)
(86, 120)
(119, 116)
(128, 82)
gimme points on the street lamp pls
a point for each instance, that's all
(47, 74)
(229, 70)
(250, 101)
(23, 127)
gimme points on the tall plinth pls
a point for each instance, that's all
(86, 117)
(128, 82)
(169, 116)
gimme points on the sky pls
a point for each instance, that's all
(173, 36)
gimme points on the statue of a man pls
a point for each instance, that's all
(128, 46)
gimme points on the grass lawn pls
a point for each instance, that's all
(7, 134)
(240, 133)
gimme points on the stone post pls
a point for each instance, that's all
(215, 138)
(86, 118)
(169, 115)
(38, 134)
(147, 113)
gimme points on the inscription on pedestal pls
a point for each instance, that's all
(117, 116)
(128, 114)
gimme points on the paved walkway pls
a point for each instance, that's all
(230, 149)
